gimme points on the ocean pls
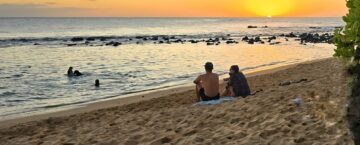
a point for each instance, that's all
(131, 55)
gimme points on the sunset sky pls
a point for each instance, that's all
(172, 8)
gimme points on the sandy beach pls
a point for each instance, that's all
(170, 117)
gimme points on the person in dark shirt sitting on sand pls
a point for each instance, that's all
(237, 84)
(207, 85)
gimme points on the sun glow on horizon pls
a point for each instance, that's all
(268, 8)
(173, 8)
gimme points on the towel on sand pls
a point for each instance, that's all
(214, 102)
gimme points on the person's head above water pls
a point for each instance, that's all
(97, 83)
(234, 69)
(70, 71)
(209, 66)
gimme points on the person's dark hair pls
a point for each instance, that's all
(77, 73)
(97, 83)
(235, 68)
(209, 66)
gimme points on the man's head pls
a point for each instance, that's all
(234, 69)
(209, 66)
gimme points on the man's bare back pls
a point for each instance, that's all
(210, 83)
(207, 85)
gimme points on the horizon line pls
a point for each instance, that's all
(144, 17)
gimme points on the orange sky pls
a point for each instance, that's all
(173, 8)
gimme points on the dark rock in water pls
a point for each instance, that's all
(138, 42)
(209, 43)
(75, 39)
(193, 41)
(282, 35)
(210, 40)
(139, 37)
(113, 43)
(315, 38)
(272, 37)
(166, 38)
(36, 44)
(262, 42)
(23, 40)
(245, 38)
(291, 35)
(71, 44)
(102, 39)
(316, 35)
(90, 39)
(172, 37)
(251, 27)
(161, 42)
(228, 35)
(257, 39)
(231, 42)
(275, 43)
(145, 39)
(116, 44)
(251, 41)
(155, 38)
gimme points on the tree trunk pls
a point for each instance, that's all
(353, 115)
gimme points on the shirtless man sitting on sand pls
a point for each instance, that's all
(207, 85)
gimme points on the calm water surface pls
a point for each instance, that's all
(33, 77)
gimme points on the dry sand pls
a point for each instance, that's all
(269, 117)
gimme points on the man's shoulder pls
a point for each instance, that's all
(215, 74)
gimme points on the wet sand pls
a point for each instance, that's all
(169, 117)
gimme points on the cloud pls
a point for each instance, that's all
(40, 10)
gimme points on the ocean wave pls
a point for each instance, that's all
(7, 94)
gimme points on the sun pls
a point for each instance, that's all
(268, 8)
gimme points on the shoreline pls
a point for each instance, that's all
(135, 98)
(269, 117)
